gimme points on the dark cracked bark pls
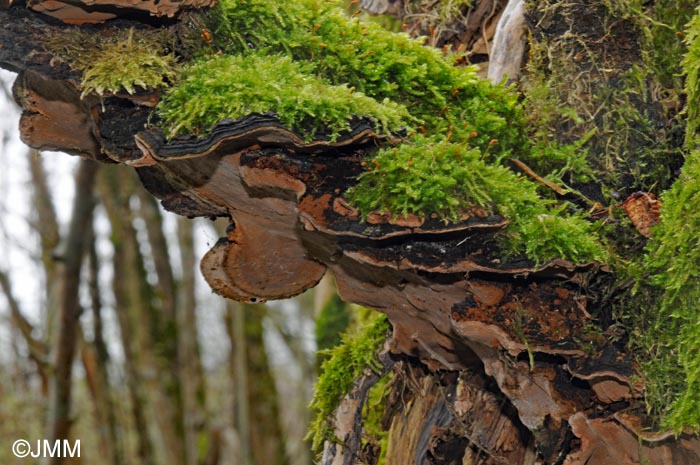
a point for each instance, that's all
(512, 333)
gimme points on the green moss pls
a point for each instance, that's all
(234, 86)
(439, 20)
(379, 64)
(316, 69)
(674, 260)
(118, 62)
(444, 177)
(672, 337)
(345, 364)
(373, 413)
(596, 80)
(691, 65)
(425, 176)
(670, 18)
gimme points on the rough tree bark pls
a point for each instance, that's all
(490, 366)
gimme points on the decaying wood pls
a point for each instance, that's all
(452, 418)
(349, 449)
(511, 334)
(465, 27)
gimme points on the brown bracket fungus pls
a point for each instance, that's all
(98, 11)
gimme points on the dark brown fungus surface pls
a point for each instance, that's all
(98, 11)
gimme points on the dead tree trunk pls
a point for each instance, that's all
(472, 332)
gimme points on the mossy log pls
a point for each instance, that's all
(498, 361)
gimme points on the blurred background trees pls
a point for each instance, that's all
(109, 335)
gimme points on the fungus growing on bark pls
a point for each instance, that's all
(524, 333)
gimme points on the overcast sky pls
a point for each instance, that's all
(18, 242)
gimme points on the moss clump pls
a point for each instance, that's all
(234, 86)
(120, 61)
(667, 31)
(595, 63)
(381, 65)
(373, 414)
(691, 66)
(673, 339)
(444, 177)
(674, 260)
(316, 69)
(346, 363)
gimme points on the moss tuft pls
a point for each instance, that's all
(346, 363)
(672, 366)
(445, 177)
(674, 340)
(121, 61)
(234, 86)
(670, 18)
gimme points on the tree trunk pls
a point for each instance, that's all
(46, 225)
(266, 442)
(96, 362)
(61, 381)
(149, 375)
(238, 374)
(192, 380)
(498, 361)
